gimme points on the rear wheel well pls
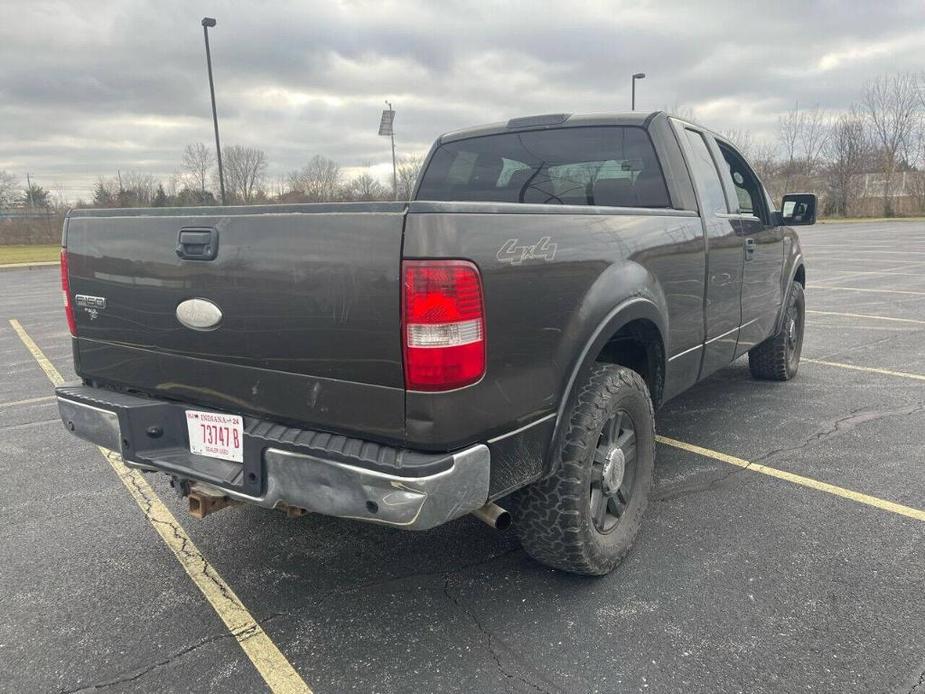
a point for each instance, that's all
(638, 346)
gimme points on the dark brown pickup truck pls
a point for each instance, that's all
(501, 340)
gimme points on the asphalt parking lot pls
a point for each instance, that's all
(796, 565)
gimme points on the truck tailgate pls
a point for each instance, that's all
(309, 301)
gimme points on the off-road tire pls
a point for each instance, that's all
(778, 357)
(553, 516)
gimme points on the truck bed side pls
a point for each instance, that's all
(552, 276)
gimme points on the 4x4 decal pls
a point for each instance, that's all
(511, 253)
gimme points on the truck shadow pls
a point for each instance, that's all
(465, 600)
(316, 554)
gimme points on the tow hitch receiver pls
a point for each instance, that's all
(202, 502)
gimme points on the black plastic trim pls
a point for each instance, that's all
(137, 414)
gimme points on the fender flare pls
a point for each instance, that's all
(791, 276)
(631, 309)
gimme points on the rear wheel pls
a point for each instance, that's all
(778, 357)
(584, 518)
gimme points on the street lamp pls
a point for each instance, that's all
(637, 76)
(387, 127)
(206, 23)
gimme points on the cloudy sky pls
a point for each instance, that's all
(90, 87)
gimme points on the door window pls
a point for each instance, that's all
(747, 186)
(713, 199)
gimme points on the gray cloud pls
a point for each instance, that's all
(89, 88)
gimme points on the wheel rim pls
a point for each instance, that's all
(794, 332)
(613, 472)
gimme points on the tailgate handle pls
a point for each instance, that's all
(198, 244)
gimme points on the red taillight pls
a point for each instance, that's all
(66, 288)
(443, 324)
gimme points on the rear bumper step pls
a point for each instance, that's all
(285, 467)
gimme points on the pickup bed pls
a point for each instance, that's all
(505, 336)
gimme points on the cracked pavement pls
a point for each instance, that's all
(737, 582)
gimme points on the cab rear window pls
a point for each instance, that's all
(606, 165)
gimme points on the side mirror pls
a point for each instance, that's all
(798, 209)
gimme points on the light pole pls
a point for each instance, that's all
(206, 23)
(637, 76)
(387, 127)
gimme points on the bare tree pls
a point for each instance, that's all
(174, 183)
(409, 168)
(365, 188)
(742, 139)
(893, 109)
(245, 168)
(198, 162)
(280, 186)
(813, 133)
(788, 133)
(801, 137)
(789, 127)
(138, 189)
(763, 158)
(9, 189)
(915, 183)
(847, 151)
(317, 181)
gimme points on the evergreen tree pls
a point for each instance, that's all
(160, 197)
(35, 196)
(102, 196)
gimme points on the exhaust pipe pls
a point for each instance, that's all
(493, 515)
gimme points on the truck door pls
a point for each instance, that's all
(763, 246)
(722, 307)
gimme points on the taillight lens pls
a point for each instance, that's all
(66, 288)
(443, 324)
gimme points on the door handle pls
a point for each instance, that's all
(749, 248)
(198, 243)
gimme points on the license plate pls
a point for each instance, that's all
(216, 435)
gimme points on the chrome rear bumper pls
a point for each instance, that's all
(336, 489)
(432, 489)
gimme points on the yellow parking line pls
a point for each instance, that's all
(272, 665)
(864, 289)
(866, 315)
(874, 501)
(869, 369)
(28, 401)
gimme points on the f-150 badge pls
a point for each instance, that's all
(91, 304)
(514, 254)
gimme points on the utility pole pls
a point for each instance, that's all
(387, 127)
(206, 23)
(29, 191)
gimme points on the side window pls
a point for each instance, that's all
(706, 175)
(747, 187)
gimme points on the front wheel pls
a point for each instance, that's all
(584, 518)
(778, 357)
